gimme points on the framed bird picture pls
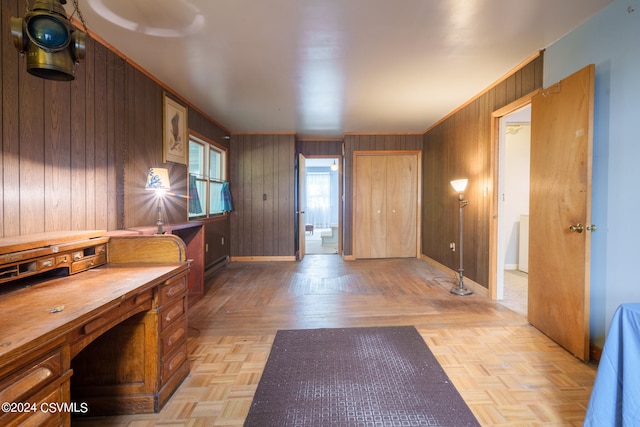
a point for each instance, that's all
(175, 138)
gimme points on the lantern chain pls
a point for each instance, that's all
(77, 9)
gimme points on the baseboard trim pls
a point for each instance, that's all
(473, 286)
(262, 258)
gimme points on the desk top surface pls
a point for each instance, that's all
(36, 314)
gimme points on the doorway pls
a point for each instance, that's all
(513, 209)
(560, 206)
(515, 149)
(322, 207)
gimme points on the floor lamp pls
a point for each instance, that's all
(158, 180)
(459, 185)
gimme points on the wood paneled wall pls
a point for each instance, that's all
(320, 147)
(75, 155)
(367, 142)
(262, 185)
(460, 146)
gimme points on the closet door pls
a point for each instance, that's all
(402, 193)
(362, 216)
(385, 205)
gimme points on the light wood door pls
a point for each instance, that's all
(402, 190)
(369, 194)
(561, 151)
(385, 205)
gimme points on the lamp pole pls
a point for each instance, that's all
(459, 185)
(159, 223)
(158, 180)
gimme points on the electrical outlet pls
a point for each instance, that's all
(452, 246)
(222, 241)
(206, 247)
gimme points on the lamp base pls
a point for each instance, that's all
(462, 291)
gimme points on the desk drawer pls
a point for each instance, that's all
(88, 262)
(172, 363)
(42, 407)
(23, 383)
(174, 336)
(172, 289)
(172, 312)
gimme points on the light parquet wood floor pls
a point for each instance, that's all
(509, 373)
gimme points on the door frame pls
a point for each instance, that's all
(339, 161)
(496, 116)
(301, 203)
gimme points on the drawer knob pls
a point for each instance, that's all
(173, 313)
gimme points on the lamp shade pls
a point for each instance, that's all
(459, 184)
(158, 179)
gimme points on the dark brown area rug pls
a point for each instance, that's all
(384, 376)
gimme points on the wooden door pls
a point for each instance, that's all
(402, 190)
(302, 205)
(369, 196)
(378, 207)
(561, 151)
(385, 205)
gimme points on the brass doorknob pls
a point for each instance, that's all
(592, 227)
(577, 228)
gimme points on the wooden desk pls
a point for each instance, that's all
(192, 234)
(108, 340)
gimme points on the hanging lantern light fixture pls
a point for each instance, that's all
(52, 45)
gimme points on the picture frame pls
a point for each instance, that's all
(174, 131)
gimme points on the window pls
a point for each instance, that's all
(207, 176)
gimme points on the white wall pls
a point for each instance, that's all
(611, 41)
(516, 190)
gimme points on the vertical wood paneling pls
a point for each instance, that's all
(460, 146)
(57, 164)
(264, 165)
(100, 138)
(286, 177)
(320, 148)
(32, 197)
(9, 156)
(89, 68)
(132, 198)
(75, 154)
(270, 230)
(121, 124)
(245, 208)
(112, 171)
(78, 141)
(257, 188)
(141, 157)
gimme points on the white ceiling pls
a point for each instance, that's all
(324, 67)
